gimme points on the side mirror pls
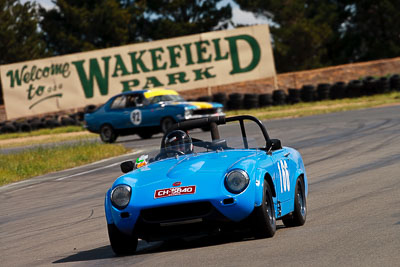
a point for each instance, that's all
(276, 144)
(127, 166)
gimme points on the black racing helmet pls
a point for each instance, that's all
(178, 140)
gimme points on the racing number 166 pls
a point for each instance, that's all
(284, 176)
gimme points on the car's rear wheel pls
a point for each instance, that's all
(121, 243)
(107, 134)
(166, 123)
(264, 216)
(298, 216)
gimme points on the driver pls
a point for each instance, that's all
(178, 140)
(175, 143)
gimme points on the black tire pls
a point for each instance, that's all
(205, 98)
(25, 127)
(384, 85)
(323, 91)
(220, 98)
(8, 128)
(338, 90)
(369, 86)
(80, 116)
(294, 96)
(166, 123)
(395, 82)
(264, 224)
(235, 101)
(299, 215)
(354, 88)
(279, 97)
(307, 93)
(250, 101)
(107, 134)
(265, 100)
(66, 121)
(37, 124)
(89, 108)
(145, 134)
(121, 243)
(51, 123)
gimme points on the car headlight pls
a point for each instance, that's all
(120, 196)
(236, 181)
(188, 113)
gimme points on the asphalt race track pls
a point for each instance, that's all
(353, 165)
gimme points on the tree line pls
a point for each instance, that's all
(305, 34)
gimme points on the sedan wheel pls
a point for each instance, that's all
(166, 123)
(107, 134)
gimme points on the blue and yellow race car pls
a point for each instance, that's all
(145, 112)
(193, 186)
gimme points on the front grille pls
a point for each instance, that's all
(177, 212)
(205, 111)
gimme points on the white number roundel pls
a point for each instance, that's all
(136, 117)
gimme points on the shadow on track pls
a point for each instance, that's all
(144, 248)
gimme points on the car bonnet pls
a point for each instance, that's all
(192, 167)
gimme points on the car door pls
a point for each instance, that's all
(283, 175)
(135, 113)
(116, 113)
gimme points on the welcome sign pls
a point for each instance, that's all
(195, 61)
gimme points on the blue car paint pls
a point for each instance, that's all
(207, 171)
(152, 114)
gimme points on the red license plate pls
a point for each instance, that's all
(175, 191)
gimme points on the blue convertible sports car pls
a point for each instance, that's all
(195, 186)
(145, 112)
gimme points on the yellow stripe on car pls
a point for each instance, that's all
(159, 91)
(201, 105)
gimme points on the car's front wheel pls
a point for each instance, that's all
(264, 216)
(121, 243)
(107, 134)
(298, 216)
(166, 123)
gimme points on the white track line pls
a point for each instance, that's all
(97, 169)
(86, 172)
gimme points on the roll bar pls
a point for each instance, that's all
(213, 123)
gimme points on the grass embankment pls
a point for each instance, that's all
(321, 107)
(42, 160)
(65, 129)
(45, 136)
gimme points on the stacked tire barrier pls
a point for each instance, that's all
(308, 93)
(234, 101)
(36, 123)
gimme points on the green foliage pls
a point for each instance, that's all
(20, 39)
(310, 34)
(76, 26)
(373, 30)
(301, 31)
(172, 18)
